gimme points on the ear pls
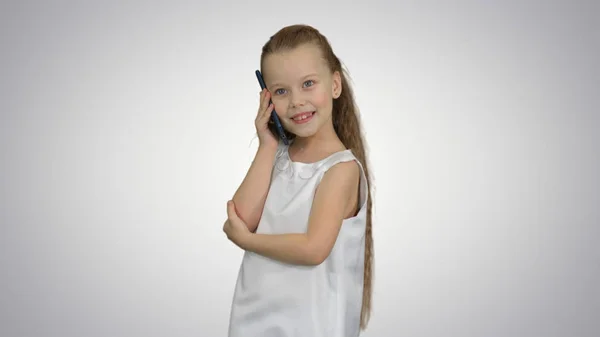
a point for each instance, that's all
(336, 85)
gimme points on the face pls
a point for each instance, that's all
(302, 88)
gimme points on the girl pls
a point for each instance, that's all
(303, 212)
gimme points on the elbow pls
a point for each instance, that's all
(317, 255)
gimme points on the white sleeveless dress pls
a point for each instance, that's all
(275, 299)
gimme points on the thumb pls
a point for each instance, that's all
(231, 213)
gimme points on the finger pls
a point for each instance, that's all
(228, 229)
(264, 101)
(231, 210)
(267, 114)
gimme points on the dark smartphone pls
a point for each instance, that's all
(274, 117)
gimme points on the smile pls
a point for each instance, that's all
(304, 117)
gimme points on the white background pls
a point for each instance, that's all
(126, 126)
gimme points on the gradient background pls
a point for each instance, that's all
(126, 126)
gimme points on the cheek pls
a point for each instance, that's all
(321, 99)
(280, 105)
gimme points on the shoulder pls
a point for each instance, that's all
(343, 170)
(341, 176)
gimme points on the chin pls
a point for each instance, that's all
(304, 133)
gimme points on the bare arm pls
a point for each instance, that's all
(250, 197)
(335, 199)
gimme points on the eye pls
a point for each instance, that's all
(279, 91)
(310, 83)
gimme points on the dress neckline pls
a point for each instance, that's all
(299, 163)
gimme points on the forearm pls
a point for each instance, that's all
(287, 248)
(250, 197)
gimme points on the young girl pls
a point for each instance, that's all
(303, 212)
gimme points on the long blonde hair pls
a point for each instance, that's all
(346, 125)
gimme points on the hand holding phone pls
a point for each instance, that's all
(265, 130)
(274, 118)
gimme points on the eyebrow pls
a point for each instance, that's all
(303, 78)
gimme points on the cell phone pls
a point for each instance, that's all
(274, 117)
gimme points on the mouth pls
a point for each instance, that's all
(303, 117)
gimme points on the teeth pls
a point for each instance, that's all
(302, 117)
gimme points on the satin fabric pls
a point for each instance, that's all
(275, 299)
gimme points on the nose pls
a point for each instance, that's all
(297, 100)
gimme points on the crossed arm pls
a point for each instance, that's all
(335, 199)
